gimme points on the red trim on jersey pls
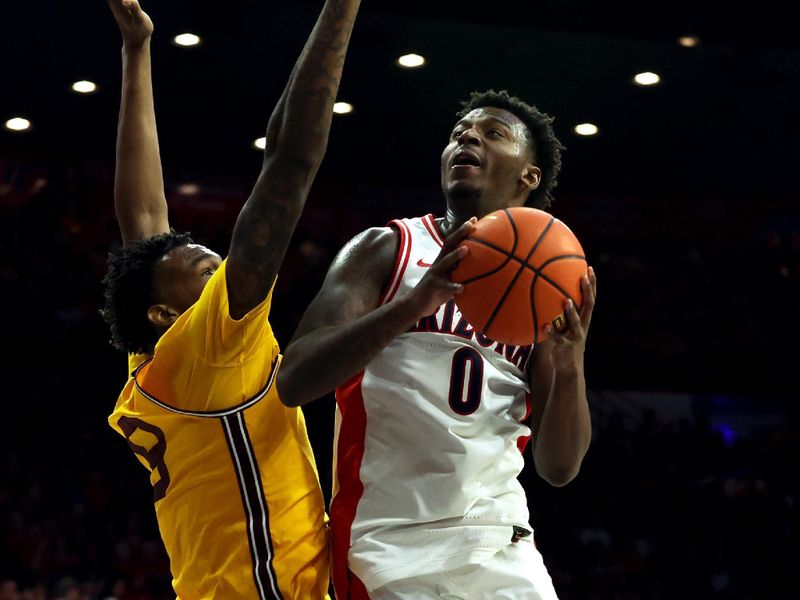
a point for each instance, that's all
(523, 440)
(433, 229)
(401, 262)
(349, 454)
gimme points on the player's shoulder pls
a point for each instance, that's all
(369, 255)
(371, 244)
(376, 238)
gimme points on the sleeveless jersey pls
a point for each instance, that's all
(235, 485)
(428, 442)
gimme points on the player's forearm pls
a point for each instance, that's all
(300, 126)
(565, 430)
(139, 198)
(321, 360)
(297, 137)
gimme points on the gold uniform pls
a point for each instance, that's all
(235, 485)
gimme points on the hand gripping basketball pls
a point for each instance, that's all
(570, 341)
(435, 288)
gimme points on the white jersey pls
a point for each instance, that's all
(428, 442)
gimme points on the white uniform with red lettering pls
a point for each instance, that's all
(429, 443)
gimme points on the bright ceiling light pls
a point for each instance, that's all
(84, 87)
(586, 129)
(188, 189)
(411, 61)
(18, 124)
(260, 143)
(647, 78)
(689, 41)
(342, 108)
(186, 39)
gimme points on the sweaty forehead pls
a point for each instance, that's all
(490, 113)
(185, 255)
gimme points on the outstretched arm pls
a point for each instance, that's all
(297, 137)
(139, 200)
(561, 422)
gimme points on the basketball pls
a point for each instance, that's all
(522, 265)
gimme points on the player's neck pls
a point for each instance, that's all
(452, 220)
(464, 211)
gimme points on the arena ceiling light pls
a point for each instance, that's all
(342, 108)
(587, 129)
(260, 143)
(647, 78)
(411, 61)
(689, 41)
(188, 189)
(18, 124)
(186, 40)
(84, 87)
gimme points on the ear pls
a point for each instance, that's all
(162, 315)
(531, 177)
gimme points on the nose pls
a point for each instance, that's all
(469, 136)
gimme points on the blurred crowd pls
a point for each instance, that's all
(695, 295)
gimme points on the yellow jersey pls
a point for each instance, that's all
(235, 486)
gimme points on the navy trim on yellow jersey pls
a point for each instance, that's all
(211, 414)
(255, 505)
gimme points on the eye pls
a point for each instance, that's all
(494, 133)
(456, 133)
(207, 272)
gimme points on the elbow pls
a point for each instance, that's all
(559, 477)
(557, 474)
(287, 389)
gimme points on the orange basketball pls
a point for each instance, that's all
(522, 265)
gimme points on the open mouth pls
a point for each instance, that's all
(465, 159)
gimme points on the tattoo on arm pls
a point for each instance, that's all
(297, 137)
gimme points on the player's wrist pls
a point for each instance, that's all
(131, 47)
(409, 309)
(569, 370)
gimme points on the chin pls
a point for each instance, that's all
(462, 191)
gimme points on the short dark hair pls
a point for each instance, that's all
(545, 146)
(130, 290)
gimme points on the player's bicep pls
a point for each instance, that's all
(355, 281)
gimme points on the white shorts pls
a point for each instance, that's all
(516, 572)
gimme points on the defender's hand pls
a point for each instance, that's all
(135, 25)
(435, 288)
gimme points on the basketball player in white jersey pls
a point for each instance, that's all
(432, 416)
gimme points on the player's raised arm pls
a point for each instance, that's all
(139, 200)
(297, 136)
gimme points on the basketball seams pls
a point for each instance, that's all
(508, 255)
(488, 273)
(566, 294)
(513, 224)
(506, 277)
(540, 273)
(554, 259)
(519, 272)
(522, 262)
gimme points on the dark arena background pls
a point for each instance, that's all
(685, 200)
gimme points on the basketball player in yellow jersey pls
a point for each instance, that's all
(235, 487)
